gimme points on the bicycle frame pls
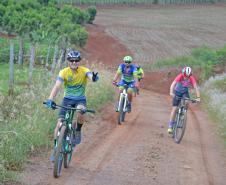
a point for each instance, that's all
(67, 122)
(181, 119)
(122, 104)
(64, 146)
(123, 96)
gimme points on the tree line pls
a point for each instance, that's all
(134, 2)
(38, 21)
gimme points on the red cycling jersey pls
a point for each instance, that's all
(183, 84)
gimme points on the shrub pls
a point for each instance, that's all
(92, 11)
(221, 55)
(205, 54)
(79, 37)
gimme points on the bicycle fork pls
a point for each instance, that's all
(122, 97)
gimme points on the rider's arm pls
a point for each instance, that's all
(172, 86)
(196, 87)
(116, 76)
(89, 75)
(55, 90)
(137, 83)
(142, 73)
(197, 91)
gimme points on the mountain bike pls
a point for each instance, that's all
(122, 105)
(64, 147)
(181, 119)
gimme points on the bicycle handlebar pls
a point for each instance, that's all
(186, 98)
(72, 108)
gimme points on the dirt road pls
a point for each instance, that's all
(139, 152)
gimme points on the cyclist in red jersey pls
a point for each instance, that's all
(180, 88)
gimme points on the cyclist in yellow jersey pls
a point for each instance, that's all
(140, 74)
(74, 78)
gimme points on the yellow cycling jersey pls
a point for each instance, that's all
(139, 73)
(74, 82)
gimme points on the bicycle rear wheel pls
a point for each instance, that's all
(59, 154)
(180, 127)
(68, 152)
(121, 114)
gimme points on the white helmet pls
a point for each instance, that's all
(186, 71)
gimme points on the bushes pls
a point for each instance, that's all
(203, 58)
(79, 37)
(205, 54)
(92, 13)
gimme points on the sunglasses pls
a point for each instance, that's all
(127, 62)
(74, 61)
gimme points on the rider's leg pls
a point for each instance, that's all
(172, 116)
(130, 95)
(80, 120)
(172, 120)
(139, 80)
(175, 103)
(130, 98)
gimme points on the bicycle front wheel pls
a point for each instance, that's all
(121, 115)
(59, 153)
(180, 127)
(69, 150)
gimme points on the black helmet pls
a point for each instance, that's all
(74, 55)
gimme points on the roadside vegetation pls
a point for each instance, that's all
(214, 92)
(41, 22)
(135, 2)
(36, 34)
(204, 60)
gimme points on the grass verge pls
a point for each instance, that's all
(215, 98)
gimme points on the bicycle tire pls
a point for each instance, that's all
(68, 154)
(59, 154)
(120, 113)
(175, 125)
(124, 113)
(180, 127)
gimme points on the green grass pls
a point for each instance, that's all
(20, 77)
(203, 58)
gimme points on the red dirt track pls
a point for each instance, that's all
(138, 152)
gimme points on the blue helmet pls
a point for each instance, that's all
(74, 55)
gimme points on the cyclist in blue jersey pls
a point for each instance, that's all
(128, 73)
